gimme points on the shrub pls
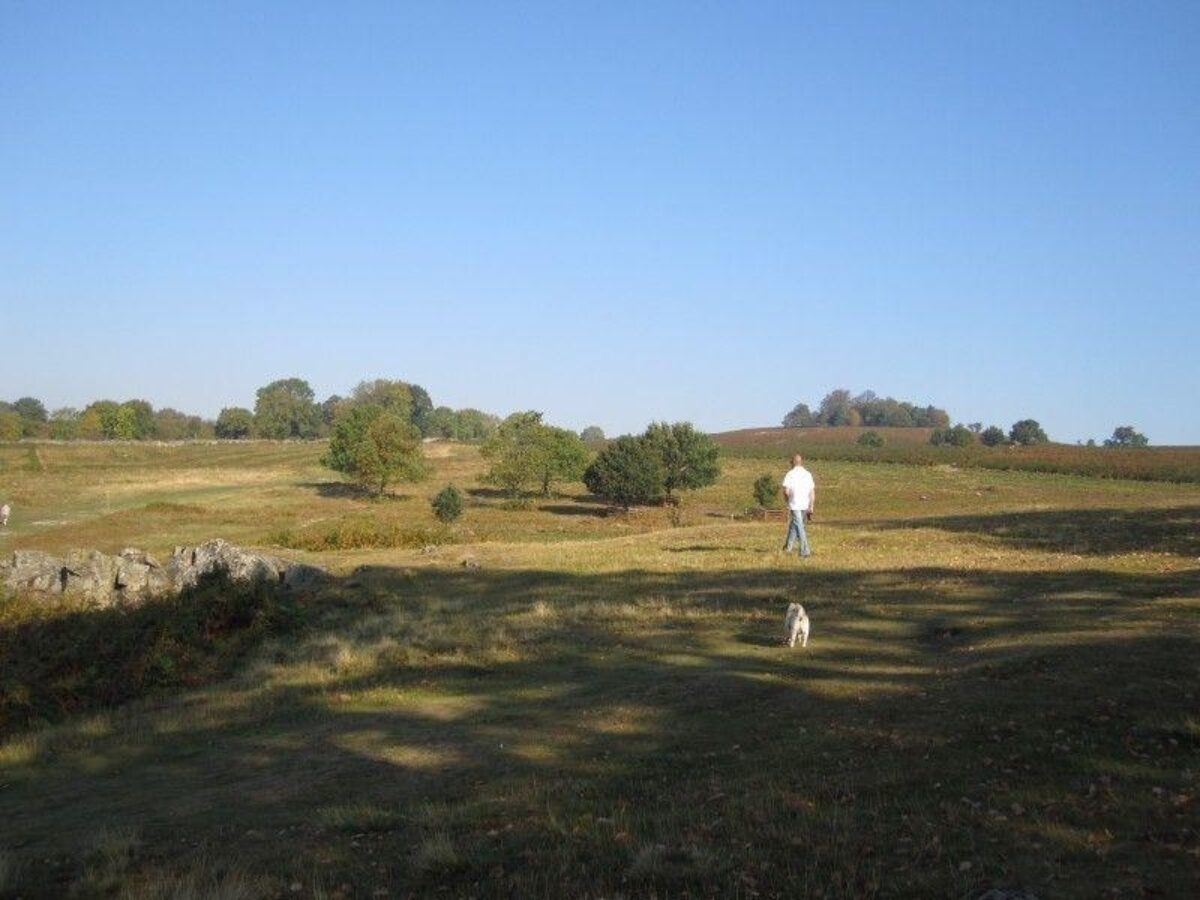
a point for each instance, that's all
(626, 472)
(448, 503)
(1026, 432)
(958, 436)
(993, 436)
(766, 491)
(870, 439)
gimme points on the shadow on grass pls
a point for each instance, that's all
(641, 732)
(1090, 531)
(344, 489)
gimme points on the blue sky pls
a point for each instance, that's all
(612, 212)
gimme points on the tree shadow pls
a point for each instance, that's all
(345, 489)
(557, 729)
(1088, 531)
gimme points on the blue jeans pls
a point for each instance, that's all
(795, 532)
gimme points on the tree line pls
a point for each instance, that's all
(284, 409)
(840, 407)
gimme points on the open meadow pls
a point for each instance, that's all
(548, 700)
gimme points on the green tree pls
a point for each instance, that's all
(286, 409)
(11, 425)
(235, 423)
(835, 408)
(516, 451)
(563, 457)
(593, 434)
(64, 423)
(993, 436)
(688, 457)
(800, 417)
(375, 447)
(33, 415)
(448, 503)
(394, 396)
(422, 408)
(1027, 431)
(766, 491)
(137, 420)
(626, 472)
(1126, 436)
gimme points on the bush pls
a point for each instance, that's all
(766, 491)
(958, 436)
(448, 504)
(626, 472)
(993, 436)
(870, 439)
(1026, 432)
(688, 457)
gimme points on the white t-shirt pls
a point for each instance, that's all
(804, 489)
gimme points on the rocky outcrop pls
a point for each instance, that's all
(134, 575)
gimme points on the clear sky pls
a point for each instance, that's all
(610, 211)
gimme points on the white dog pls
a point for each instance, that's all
(795, 625)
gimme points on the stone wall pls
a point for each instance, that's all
(134, 575)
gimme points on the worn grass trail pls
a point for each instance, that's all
(1000, 691)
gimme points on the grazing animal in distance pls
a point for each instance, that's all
(795, 625)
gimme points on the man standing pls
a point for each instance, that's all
(801, 491)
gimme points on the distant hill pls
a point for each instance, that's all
(788, 438)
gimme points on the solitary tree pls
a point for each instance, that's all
(1027, 431)
(593, 434)
(286, 409)
(626, 472)
(375, 448)
(1126, 436)
(688, 457)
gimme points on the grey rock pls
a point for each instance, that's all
(134, 575)
(33, 570)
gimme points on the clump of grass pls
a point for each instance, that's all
(109, 857)
(361, 534)
(205, 882)
(166, 508)
(436, 855)
(9, 872)
(359, 817)
(661, 863)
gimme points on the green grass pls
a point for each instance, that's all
(1000, 691)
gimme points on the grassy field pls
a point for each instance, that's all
(911, 446)
(1000, 691)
